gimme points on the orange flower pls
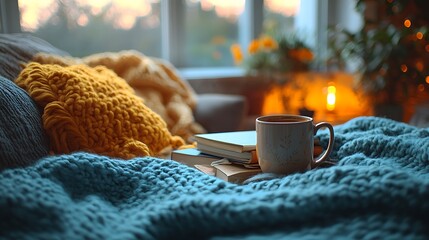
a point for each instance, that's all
(236, 53)
(253, 46)
(268, 43)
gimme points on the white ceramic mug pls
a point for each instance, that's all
(285, 143)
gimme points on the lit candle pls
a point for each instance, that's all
(331, 98)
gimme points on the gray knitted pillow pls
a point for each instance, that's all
(22, 138)
(18, 48)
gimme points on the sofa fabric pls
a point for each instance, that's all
(22, 138)
(92, 109)
(19, 48)
(221, 112)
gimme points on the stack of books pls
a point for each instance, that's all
(214, 165)
(230, 156)
(238, 147)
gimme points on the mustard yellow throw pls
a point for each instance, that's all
(92, 109)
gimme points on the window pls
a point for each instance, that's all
(86, 27)
(192, 34)
(210, 27)
(279, 16)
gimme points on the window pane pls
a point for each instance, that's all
(211, 26)
(86, 27)
(279, 16)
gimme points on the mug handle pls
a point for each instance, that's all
(328, 151)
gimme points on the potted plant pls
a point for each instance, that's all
(271, 56)
(390, 60)
(272, 61)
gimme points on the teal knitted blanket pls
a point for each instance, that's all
(378, 190)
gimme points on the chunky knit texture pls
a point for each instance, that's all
(155, 80)
(378, 190)
(92, 109)
(22, 138)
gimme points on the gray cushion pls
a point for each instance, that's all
(22, 138)
(220, 112)
(19, 48)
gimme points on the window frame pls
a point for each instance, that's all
(9, 16)
(250, 26)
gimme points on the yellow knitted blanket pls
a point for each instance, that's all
(155, 80)
(93, 109)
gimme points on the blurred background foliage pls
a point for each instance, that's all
(390, 53)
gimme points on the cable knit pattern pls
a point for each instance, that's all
(378, 190)
(92, 109)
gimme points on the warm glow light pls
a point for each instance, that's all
(96, 5)
(122, 13)
(312, 93)
(404, 68)
(224, 8)
(36, 13)
(331, 98)
(427, 79)
(421, 87)
(419, 65)
(82, 20)
(233, 9)
(288, 8)
(419, 35)
(407, 23)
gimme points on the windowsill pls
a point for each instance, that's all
(209, 73)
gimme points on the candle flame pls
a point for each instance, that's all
(331, 98)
